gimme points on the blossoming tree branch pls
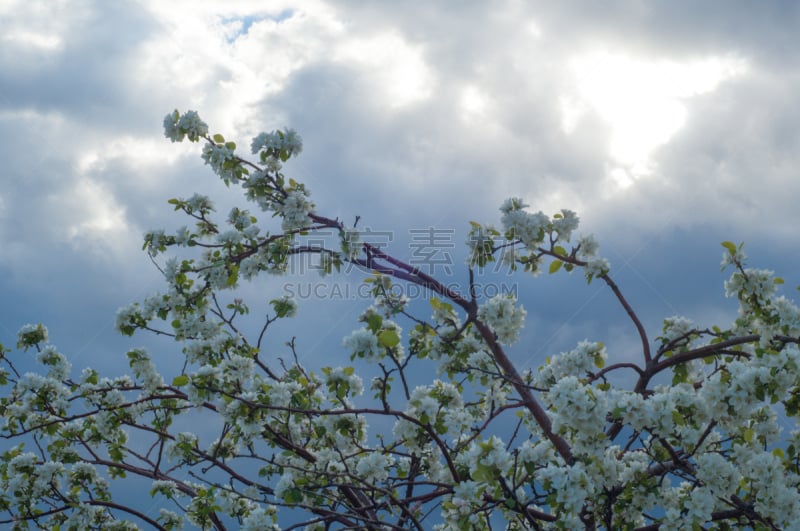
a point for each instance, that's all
(698, 439)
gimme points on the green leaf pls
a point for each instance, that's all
(730, 246)
(483, 472)
(792, 405)
(117, 456)
(219, 139)
(180, 381)
(555, 265)
(560, 250)
(388, 338)
(233, 277)
(374, 322)
(231, 145)
(92, 378)
(680, 374)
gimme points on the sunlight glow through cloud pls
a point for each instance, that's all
(641, 101)
(101, 225)
(396, 67)
(474, 103)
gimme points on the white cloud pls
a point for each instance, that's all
(393, 67)
(31, 39)
(31, 28)
(100, 225)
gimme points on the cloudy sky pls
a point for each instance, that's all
(668, 126)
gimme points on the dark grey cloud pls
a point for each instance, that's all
(87, 75)
(682, 28)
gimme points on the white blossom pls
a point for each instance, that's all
(229, 237)
(31, 334)
(676, 327)
(513, 203)
(480, 241)
(362, 342)
(59, 367)
(718, 474)
(587, 247)
(261, 519)
(577, 362)
(238, 368)
(281, 393)
(529, 228)
(564, 225)
(287, 140)
(729, 258)
(222, 160)
(373, 466)
(177, 126)
(199, 203)
(165, 487)
(170, 519)
(504, 317)
(570, 484)
(284, 483)
(597, 267)
(758, 282)
(295, 209)
(346, 376)
(491, 453)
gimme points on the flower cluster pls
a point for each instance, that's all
(564, 224)
(481, 242)
(222, 160)
(756, 282)
(504, 317)
(529, 228)
(145, 371)
(277, 144)
(178, 126)
(294, 210)
(363, 344)
(31, 335)
(582, 360)
(677, 328)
